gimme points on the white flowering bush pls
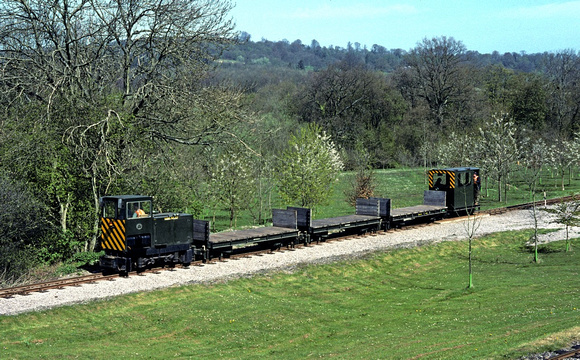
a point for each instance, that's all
(308, 167)
(457, 150)
(498, 149)
(233, 181)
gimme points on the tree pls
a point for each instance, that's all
(560, 157)
(351, 103)
(117, 76)
(333, 97)
(308, 167)
(528, 101)
(574, 149)
(33, 152)
(498, 149)
(496, 83)
(22, 222)
(457, 150)
(362, 186)
(563, 71)
(567, 214)
(435, 65)
(535, 155)
(471, 225)
(233, 181)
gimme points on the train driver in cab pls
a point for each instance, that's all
(137, 211)
(476, 187)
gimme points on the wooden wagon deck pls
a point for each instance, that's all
(433, 207)
(367, 218)
(284, 232)
(417, 210)
(347, 220)
(251, 235)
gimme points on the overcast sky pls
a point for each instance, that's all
(482, 25)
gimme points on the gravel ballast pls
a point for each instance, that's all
(448, 230)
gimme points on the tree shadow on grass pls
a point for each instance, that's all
(544, 248)
(409, 283)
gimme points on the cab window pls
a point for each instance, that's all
(110, 209)
(464, 179)
(439, 181)
(138, 209)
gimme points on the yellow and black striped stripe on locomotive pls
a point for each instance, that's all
(451, 175)
(113, 234)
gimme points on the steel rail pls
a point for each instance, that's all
(566, 355)
(54, 284)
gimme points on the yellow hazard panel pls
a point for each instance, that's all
(451, 175)
(113, 234)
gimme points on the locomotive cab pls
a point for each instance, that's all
(461, 185)
(133, 237)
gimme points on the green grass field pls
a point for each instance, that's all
(409, 303)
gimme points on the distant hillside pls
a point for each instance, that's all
(299, 55)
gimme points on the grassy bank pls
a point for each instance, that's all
(402, 304)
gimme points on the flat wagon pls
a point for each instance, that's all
(367, 218)
(284, 232)
(433, 208)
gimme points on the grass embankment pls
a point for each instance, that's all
(402, 304)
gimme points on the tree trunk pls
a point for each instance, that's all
(534, 209)
(64, 207)
(470, 271)
(90, 245)
(567, 239)
(499, 188)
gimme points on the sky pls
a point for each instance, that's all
(532, 26)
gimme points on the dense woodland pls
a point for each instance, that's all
(169, 99)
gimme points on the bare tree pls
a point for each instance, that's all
(117, 75)
(563, 69)
(363, 183)
(471, 225)
(535, 156)
(435, 65)
(567, 214)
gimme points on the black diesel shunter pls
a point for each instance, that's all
(461, 185)
(133, 236)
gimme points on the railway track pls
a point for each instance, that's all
(92, 278)
(54, 284)
(567, 355)
(24, 290)
(78, 281)
(528, 205)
